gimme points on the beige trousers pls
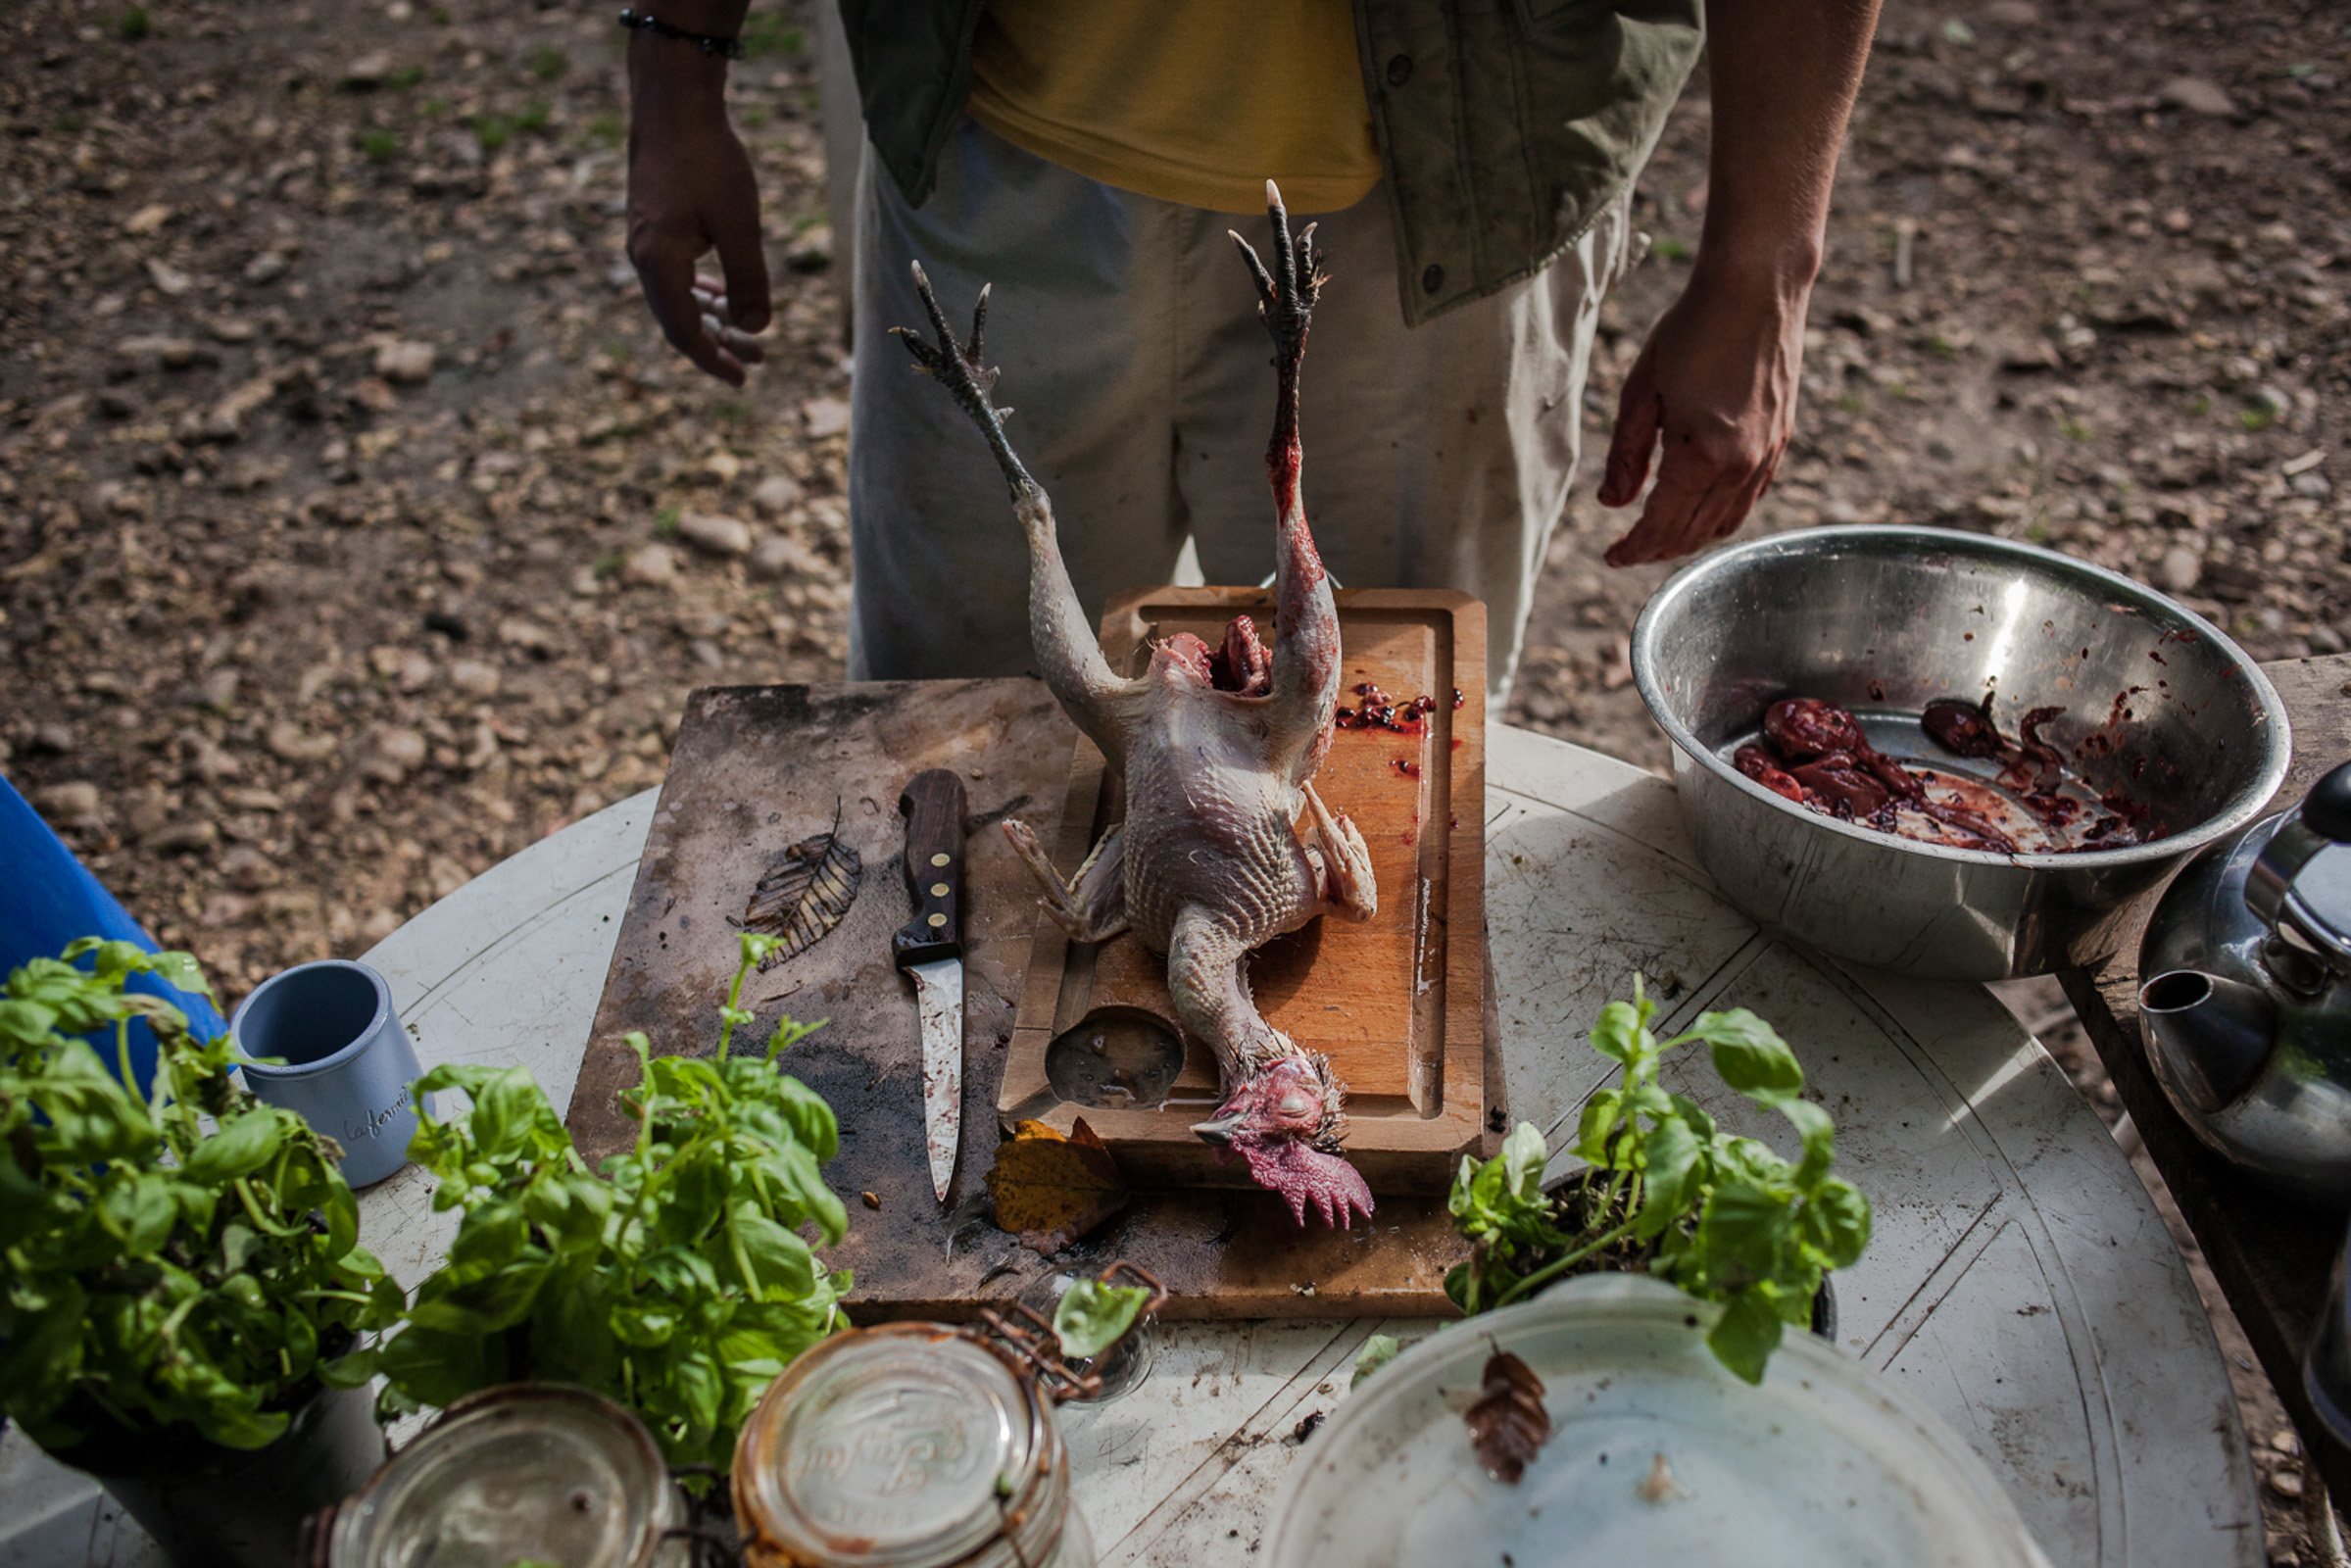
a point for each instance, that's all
(1127, 332)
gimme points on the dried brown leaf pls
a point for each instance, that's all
(1052, 1189)
(804, 892)
(1507, 1419)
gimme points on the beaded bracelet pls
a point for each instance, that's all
(731, 48)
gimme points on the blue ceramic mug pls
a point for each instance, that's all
(345, 1063)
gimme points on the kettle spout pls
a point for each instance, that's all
(2210, 1037)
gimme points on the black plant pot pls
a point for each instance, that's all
(214, 1507)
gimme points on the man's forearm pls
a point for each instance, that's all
(1784, 74)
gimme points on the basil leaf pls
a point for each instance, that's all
(1820, 1140)
(1597, 1123)
(1672, 1171)
(1837, 1220)
(1524, 1153)
(483, 1306)
(234, 1428)
(1744, 1227)
(1616, 1034)
(779, 1260)
(1092, 1315)
(696, 1380)
(354, 1370)
(436, 1368)
(1748, 1054)
(1377, 1352)
(1694, 1117)
(243, 1145)
(1745, 1336)
(182, 970)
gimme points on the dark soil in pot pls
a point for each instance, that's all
(208, 1506)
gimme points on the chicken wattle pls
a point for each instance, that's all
(1216, 747)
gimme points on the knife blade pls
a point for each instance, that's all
(929, 950)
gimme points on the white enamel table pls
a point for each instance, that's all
(2019, 1279)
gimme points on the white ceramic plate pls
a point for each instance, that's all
(1825, 1463)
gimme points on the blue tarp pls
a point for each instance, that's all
(48, 897)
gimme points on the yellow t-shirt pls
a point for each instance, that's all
(1192, 101)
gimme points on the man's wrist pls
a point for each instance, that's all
(716, 19)
(1780, 266)
(666, 77)
(663, 66)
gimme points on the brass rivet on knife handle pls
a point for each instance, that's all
(933, 807)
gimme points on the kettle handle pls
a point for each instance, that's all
(2322, 821)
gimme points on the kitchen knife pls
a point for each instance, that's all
(930, 950)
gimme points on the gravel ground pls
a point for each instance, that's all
(356, 528)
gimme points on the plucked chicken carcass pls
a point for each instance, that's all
(1216, 747)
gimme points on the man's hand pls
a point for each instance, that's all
(1717, 384)
(691, 190)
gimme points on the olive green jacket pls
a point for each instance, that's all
(1504, 126)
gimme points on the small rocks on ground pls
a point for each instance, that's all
(778, 557)
(290, 742)
(777, 494)
(69, 802)
(395, 754)
(719, 536)
(193, 836)
(210, 762)
(406, 361)
(652, 565)
(528, 635)
(475, 678)
(2196, 96)
(2180, 569)
(824, 417)
(249, 870)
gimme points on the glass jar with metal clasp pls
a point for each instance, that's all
(531, 1472)
(919, 1446)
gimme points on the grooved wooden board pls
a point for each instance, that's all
(1397, 1002)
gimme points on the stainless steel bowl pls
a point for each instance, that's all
(2158, 705)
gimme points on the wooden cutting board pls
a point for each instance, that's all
(1397, 1004)
(759, 768)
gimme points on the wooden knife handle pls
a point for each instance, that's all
(933, 807)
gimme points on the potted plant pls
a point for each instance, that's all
(675, 1282)
(1728, 1219)
(180, 1268)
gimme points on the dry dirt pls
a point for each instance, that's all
(352, 514)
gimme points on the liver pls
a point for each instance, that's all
(2020, 1280)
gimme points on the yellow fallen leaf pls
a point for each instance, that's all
(1050, 1190)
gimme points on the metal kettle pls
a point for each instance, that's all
(2245, 995)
